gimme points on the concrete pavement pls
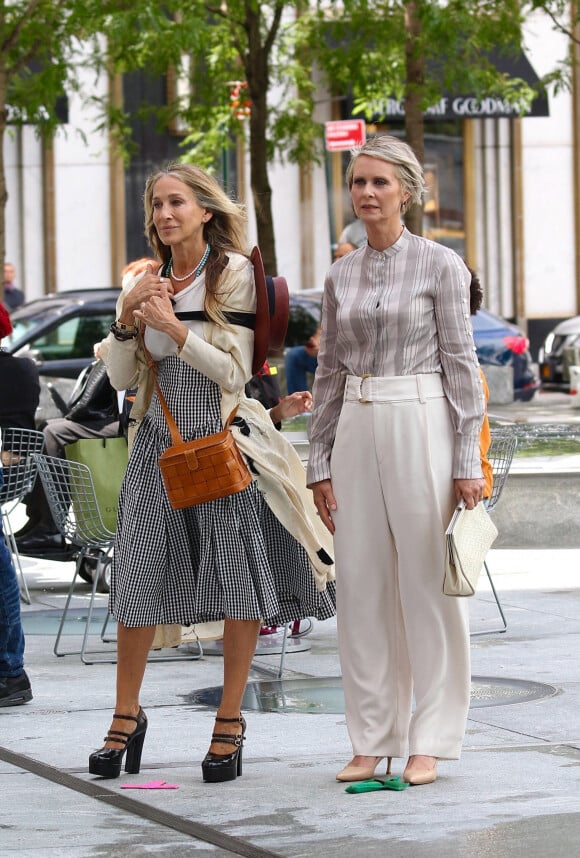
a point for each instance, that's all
(515, 791)
(548, 407)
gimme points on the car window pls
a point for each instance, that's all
(484, 321)
(22, 326)
(72, 338)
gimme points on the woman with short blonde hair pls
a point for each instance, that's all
(394, 444)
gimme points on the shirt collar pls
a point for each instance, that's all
(399, 244)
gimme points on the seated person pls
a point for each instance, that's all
(92, 413)
(300, 360)
(19, 384)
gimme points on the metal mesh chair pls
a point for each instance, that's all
(19, 471)
(501, 453)
(71, 495)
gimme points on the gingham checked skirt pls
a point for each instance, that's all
(227, 558)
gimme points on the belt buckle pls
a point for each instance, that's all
(363, 378)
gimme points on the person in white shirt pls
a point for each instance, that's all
(250, 558)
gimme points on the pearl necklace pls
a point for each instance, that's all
(195, 271)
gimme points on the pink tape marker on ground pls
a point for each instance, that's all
(150, 785)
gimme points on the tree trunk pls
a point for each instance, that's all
(257, 75)
(414, 117)
(261, 190)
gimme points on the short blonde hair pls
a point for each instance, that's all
(396, 152)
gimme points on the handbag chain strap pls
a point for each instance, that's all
(173, 429)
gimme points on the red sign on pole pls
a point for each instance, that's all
(344, 134)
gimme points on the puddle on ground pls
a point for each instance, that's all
(325, 696)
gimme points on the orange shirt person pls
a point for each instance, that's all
(484, 445)
(475, 301)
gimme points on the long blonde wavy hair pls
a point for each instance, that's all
(224, 232)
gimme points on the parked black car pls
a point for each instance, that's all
(498, 343)
(59, 333)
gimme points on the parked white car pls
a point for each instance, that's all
(560, 350)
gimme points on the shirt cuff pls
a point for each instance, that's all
(318, 463)
(467, 458)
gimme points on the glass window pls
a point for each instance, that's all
(443, 209)
(73, 338)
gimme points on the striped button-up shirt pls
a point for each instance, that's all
(401, 311)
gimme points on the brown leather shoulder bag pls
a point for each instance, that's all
(202, 470)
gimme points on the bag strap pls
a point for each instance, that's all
(245, 320)
(174, 431)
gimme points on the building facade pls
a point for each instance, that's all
(503, 191)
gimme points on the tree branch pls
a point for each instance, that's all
(560, 27)
(22, 21)
(273, 31)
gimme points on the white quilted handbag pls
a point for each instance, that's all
(470, 535)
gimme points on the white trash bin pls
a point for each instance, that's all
(574, 386)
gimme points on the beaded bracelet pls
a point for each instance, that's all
(123, 332)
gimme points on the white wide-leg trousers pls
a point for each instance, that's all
(398, 634)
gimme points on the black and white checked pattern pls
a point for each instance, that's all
(229, 557)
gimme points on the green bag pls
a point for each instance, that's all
(106, 458)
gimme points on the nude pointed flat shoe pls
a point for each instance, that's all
(350, 774)
(418, 777)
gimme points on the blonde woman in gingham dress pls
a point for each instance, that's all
(259, 556)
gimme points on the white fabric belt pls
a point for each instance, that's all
(371, 388)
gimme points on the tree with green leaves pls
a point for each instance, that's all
(243, 72)
(39, 41)
(208, 47)
(228, 52)
(412, 49)
(417, 50)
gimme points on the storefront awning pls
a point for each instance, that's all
(466, 106)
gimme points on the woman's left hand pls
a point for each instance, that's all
(470, 490)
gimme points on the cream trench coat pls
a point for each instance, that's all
(225, 356)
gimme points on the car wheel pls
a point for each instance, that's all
(104, 585)
(87, 573)
(526, 396)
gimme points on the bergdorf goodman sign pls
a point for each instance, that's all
(454, 107)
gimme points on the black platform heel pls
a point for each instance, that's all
(217, 768)
(106, 762)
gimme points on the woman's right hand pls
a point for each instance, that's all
(324, 501)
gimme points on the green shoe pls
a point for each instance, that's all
(376, 784)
